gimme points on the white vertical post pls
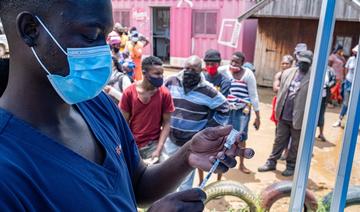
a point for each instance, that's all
(322, 50)
(349, 144)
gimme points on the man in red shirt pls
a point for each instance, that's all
(146, 106)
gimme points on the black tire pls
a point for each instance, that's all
(231, 188)
(352, 198)
(282, 189)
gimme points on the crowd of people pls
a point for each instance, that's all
(126, 49)
(207, 95)
(346, 78)
(164, 115)
(291, 87)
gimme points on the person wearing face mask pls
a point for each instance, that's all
(64, 144)
(198, 106)
(220, 81)
(142, 38)
(146, 106)
(114, 40)
(290, 106)
(242, 97)
(212, 61)
(287, 62)
(135, 49)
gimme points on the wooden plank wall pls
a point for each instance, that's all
(307, 9)
(277, 37)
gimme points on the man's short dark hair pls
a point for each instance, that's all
(150, 61)
(9, 9)
(8, 6)
(240, 55)
(132, 29)
(337, 48)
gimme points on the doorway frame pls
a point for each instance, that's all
(152, 44)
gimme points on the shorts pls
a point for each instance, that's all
(240, 122)
(146, 151)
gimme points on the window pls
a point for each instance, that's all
(346, 43)
(204, 22)
(123, 17)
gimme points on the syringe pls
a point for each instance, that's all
(228, 144)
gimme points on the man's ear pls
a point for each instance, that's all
(27, 27)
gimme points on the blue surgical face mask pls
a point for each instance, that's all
(89, 72)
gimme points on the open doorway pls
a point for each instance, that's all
(161, 33)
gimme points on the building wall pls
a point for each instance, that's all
(183, 42)
(225, 9)
(277, 37)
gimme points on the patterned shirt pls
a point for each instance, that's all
(201, 107)
(244, 91)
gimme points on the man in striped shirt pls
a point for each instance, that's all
(198, 105)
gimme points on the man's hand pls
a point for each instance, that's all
(189, 200)
(156, 154)
(208, 145)
(107, 89)
(257, 123)
(153, 182)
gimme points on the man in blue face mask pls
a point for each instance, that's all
(147, 106)
(64, 145)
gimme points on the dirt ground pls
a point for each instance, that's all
(323, 167)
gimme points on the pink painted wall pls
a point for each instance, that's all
(182, 42)
(225, 9)
(180, 32)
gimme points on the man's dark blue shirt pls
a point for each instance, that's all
(39, 174)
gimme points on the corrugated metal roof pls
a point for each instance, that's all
(307, 9)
